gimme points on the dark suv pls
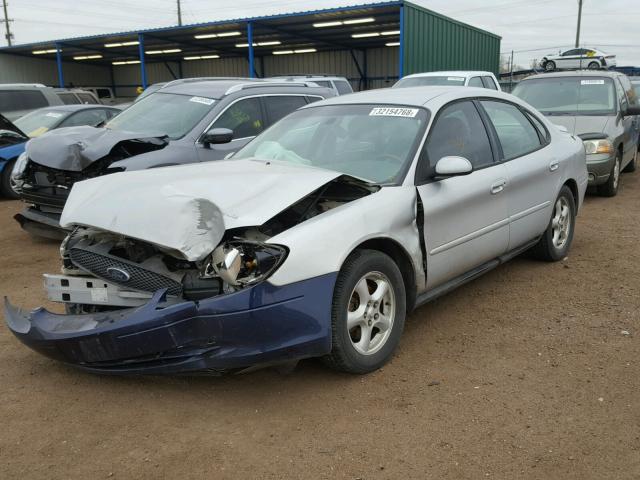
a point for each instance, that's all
(185, 121)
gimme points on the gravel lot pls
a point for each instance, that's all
(524, 373)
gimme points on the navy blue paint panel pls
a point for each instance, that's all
(9, 153)
(257, 325)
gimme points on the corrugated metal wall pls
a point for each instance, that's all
(435, 42)
(19, 69)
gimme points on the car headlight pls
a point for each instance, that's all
(20, 166)
(598, 146)
(241, 263)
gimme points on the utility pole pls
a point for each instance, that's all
(179, 13)
(7, 20)
(579, 20)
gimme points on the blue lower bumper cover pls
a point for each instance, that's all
(258, 325)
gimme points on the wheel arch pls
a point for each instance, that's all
(401, 258)
(573, 186)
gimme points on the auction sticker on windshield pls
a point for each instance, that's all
(455, 79)
(393, 112)
(205, 101)
(592, 82)
(53, 115)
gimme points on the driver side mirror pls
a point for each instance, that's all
(631, 110)
(217, 136)
(453, 166)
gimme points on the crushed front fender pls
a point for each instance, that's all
(261, 324)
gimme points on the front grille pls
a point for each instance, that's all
(139, 278)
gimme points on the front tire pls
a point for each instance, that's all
(368, 313)
(550, 65)
(610, 189)
(556, 240)
(6, 190)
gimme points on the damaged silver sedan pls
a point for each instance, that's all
(315, 240)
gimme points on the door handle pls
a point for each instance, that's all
(498, 187)
(553, 166)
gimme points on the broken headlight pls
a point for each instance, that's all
(241, 263)
(18, 169)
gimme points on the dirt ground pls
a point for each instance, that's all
(523, 374)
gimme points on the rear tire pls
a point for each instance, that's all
(594, 66)
(556, 240)
(368, 313)
(6, 190)
(610, 189)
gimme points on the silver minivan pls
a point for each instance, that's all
(600, 107)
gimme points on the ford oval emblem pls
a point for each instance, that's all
(118, 275)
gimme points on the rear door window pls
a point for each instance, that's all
(281, 106)
(103, 93)
(87, 98)
(516, 133)
(12, 100)
(323, 83)
(476, 82)
(343, 87)
(243, 117)
(489, 83)
(68, 98)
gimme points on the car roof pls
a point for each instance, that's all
(22, 86)
(412, 96)
(450, 73)
(575, 73)
(219, 87)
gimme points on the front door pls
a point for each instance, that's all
(466, 221)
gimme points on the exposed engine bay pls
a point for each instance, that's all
(129, 271)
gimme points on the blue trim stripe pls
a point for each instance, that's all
(59, 63)
(250, 42)
(143, 67)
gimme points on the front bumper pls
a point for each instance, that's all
(257, 325)
(599, 167)
(43, 224)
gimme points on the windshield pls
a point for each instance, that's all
(374, 142)
(425, 81)
(569, 95)
(163, 113)
(36, 123)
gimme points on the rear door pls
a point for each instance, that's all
(627, 97)
(465, 218)
(533, 171)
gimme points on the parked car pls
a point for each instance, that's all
(339, 85)
(175, 125)
(315, 239)
(105, 95)
(601, 108)
(18, 99)
(76, 96)
(452, 78)
(578, 58)
(38, 122)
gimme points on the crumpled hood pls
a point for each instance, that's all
(188, 208)
(75, 148)
(577, 125)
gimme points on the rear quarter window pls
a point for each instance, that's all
(87, 98)
(68, 98)
(343, 87)
(12, 100)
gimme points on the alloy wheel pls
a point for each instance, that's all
(371, 312)
(561, 223)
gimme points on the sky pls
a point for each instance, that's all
(531, 28)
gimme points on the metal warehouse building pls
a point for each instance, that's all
(372, 45)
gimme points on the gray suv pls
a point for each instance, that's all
(186, 121)
(18, 99)
(599, 107)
